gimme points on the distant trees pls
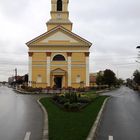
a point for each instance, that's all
(135, 81)
(100, 78)
(120, 81)
(108, 77)
(136, 78)
(129, 82)
(18, 80)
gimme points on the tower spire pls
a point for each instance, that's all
(59, 15)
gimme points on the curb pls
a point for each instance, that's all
(22, 92)
(107, 90)
(93, 131)
(102, 91)
(45, 128)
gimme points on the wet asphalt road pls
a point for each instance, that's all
(19, 114)
(121, 118)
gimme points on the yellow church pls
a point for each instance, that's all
(59, 58)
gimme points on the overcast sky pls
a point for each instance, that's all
(113, 26)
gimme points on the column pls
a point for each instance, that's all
(30, 69)
(48, 69)
(87, 68)
(69, 54)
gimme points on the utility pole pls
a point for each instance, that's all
(16, 74)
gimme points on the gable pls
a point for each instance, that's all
(58, 36)
(58, 72)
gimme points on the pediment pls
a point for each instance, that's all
(58, 36)
(58, 72)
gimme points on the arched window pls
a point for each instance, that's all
(59, 5)
(59, 57)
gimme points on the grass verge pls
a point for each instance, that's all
(71, 125)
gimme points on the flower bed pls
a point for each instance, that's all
(71, 101)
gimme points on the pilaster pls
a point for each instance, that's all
(87, 68)
(48, 68)
(30, 69)
(69, 54)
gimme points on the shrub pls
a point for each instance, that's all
(74, 106)
(72, 97)
(62, 100)
(79, 95)
(66, 105)
(67, 95)
(71, 101)
(23, 87)
(30, 89)
(55, 97)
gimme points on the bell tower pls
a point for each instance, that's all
(59, 15)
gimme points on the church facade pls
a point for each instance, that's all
(59, 58)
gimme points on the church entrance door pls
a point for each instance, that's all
(58, 81)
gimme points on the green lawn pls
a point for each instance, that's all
(71, 125)
(90, 94)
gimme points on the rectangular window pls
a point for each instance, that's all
(39, 79)
(78, 79)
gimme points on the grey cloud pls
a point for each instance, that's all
(114, 9)
(13, 9)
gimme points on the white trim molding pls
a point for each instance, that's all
(48, 70)
(87, 71)
(69, 71)
(59, 65)
(30, 71)
(58, 51)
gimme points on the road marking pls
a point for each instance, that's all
(110, 137)
(27, 136)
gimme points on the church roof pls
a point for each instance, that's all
(57, 29)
